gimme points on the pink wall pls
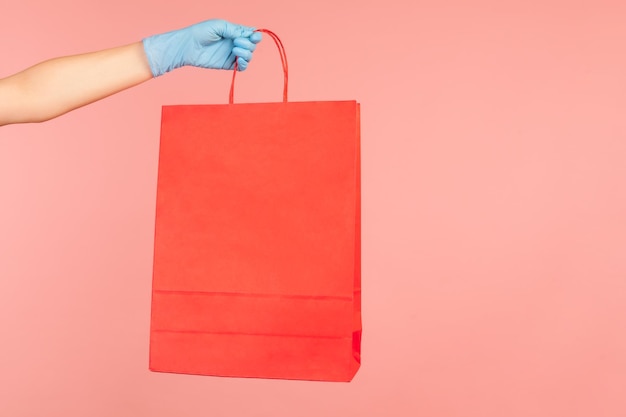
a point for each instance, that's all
(494, 209)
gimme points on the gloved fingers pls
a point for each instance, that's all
(244, 43)
(242, 53)
(229, 30)
(242, 64)
(256, 37)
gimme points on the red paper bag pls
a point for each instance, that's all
(257, 240)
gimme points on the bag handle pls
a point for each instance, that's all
(283, 60)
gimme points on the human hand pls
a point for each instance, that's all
(211, 44)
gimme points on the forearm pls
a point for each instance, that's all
(57, 86)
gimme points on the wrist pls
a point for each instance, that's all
(165, 52)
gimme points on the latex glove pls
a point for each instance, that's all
(210, 44)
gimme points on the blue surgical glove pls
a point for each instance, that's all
(211, 44)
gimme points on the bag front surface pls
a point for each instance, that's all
(257, 241)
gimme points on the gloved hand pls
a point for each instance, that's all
(210, 44)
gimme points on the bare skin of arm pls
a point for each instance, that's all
(57, 86)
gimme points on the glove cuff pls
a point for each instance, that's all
(164, 51)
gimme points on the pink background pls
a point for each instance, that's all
(494, 210)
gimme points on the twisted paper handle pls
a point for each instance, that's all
(283, 59)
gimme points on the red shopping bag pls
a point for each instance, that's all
(257, 240)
